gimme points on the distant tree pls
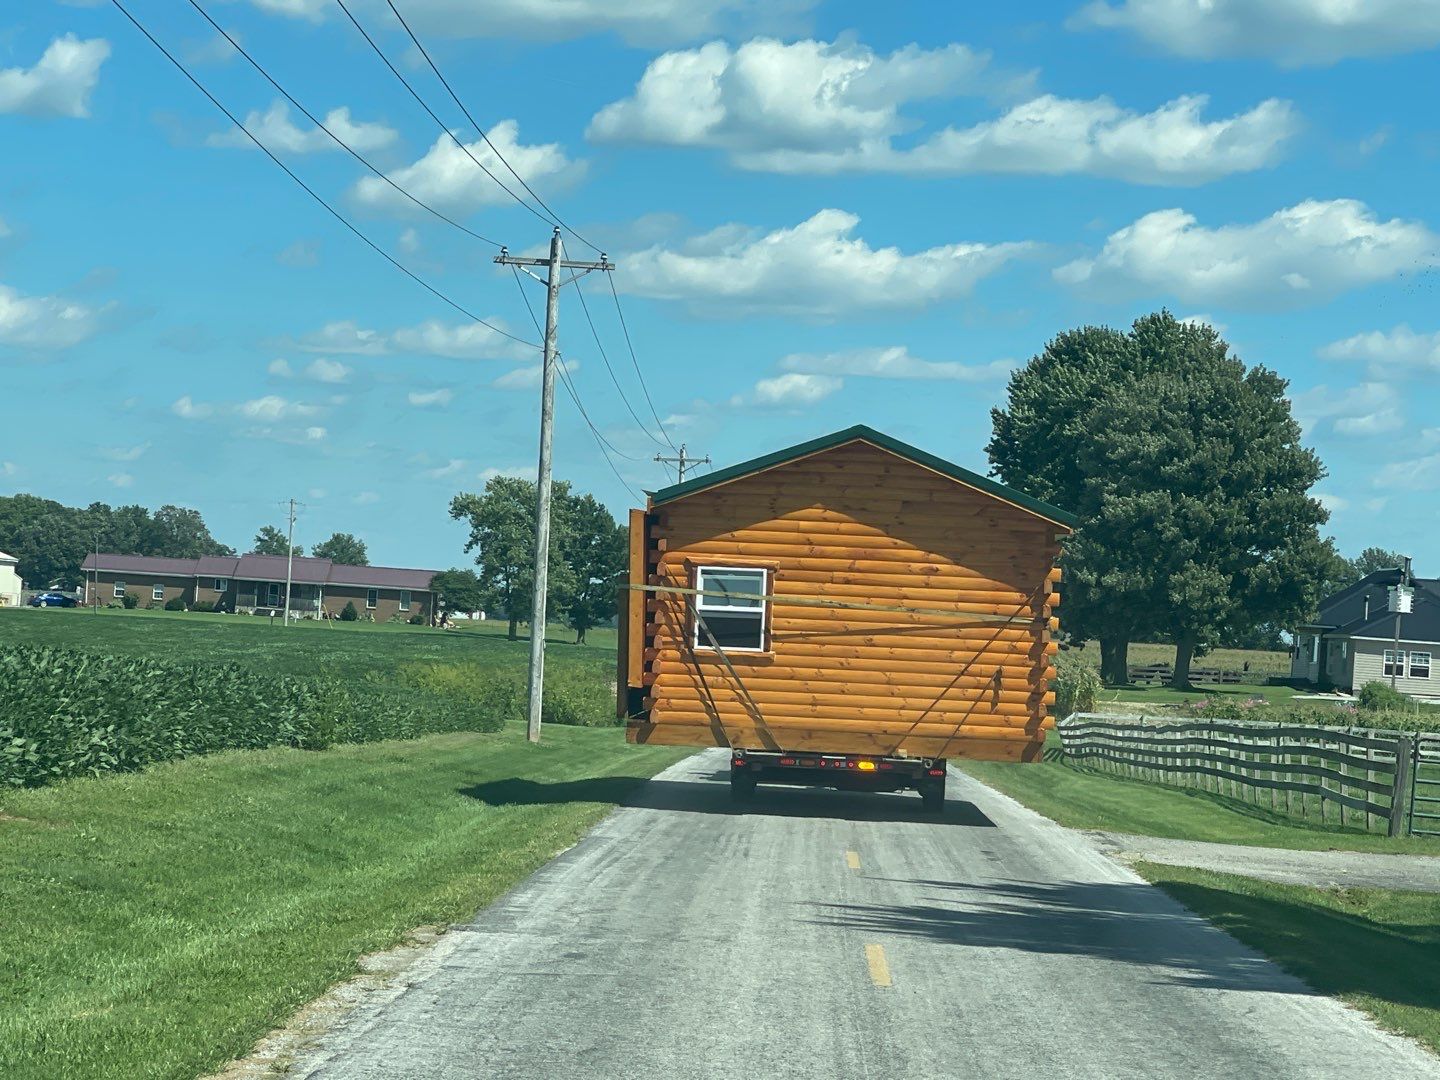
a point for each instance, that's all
(348, 612)
(343, 548)
(459, 589)
(502, 534)
(596, 552)
(49, 540)
(178, 532)
(271, 541)
(1372, 559)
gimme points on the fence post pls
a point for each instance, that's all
(1400, 793)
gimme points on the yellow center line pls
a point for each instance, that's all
(879, 969)
(852, 860)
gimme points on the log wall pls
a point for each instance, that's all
(856, 524)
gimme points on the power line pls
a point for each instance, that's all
(441, 123)
(311, 191)
(338, 141)
(635, 360)
(476, 125)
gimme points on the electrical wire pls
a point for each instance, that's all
(441, 123)
(338, 141)
(476, 125)
(311, 191)
(635, 360)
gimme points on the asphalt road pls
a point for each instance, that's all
(829, 935)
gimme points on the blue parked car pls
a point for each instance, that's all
(52, 599)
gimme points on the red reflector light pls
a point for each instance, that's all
(738, 762)
(787, 761)
(849, 764)
(886, 765)
(937, 772)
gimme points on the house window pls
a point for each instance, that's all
(272, 594)
(1344, 650)
(222, 584)
(119, 589)
(733, 606)
(1419, 665)
(1394, 663)
(1315, 649)
(157, 592)
(372, 597)
(404, 599)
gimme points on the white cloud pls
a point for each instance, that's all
(515, 472)
(365, 498)
(1415, 474)
(409, 241)
(1291, 32)
(314, 434)
(637, 22)
(302, 253)
(422, 399)
(316, 493)
(448, 179)
(894, 362)
(125, 453)
(1332, 503)
(1305, 254)
(816, 268)
(463, 341)
(792, 390)
(45, 322)
(1355, 410)
(121, 479)
(280, 369)
(1201, 319)
(272, 407)
(278, 132)
(1376, 423)
(450, 468)
(818, 107)
(1400, 347)
(8, 468)
(188, 409)
(5, 229)
(60, 82)
(528, 378)
(327, 371)
(344, 337)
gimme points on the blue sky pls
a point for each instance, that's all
(823, 212)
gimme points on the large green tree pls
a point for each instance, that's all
(1191, 484)
(459, 589)
(271, 541)
(1372, 559)
(181, 533)
(596, 552)
(344, 548)
(502, 535)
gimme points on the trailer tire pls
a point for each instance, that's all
(932, 797)
(742, 787)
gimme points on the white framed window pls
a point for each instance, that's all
(222, 584)
(372, 597)
(272, 594)
(157, 592)
(1315, 649)
(1419, 665)
(1394, 663)
(404, 599)
(733, 606)
(119, 589)
(1344, 650)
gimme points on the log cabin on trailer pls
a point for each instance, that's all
(850, 596)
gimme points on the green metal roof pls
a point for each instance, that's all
(860, 432)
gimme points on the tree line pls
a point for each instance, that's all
(1198, 525)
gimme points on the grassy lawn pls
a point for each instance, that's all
(1085, 799)
(1164, 695)
(303, 647)
(1377, 949)
(155, 924)
(1262, 662)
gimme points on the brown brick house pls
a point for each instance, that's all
(255, 584)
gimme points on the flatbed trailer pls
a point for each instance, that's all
(843, 772)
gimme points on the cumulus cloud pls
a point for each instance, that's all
(8, 468)
(1412, 474)
(819, 107)
(327, 371)
(894, 362)
(365, 498)
(121, 479)
(637, 22)
(302, 253)
(428, 398)
(793, 390)
(1291, 32)
(1371, 408)
(515, 472)
(45, 323)
(1305, 254)
(187, 408)
(279, 132)
(528, 377)
(450, 468)
(60, 82)
(125, 453)
(272, 407)
(463, 341)
(280, 368)
(448, 179)
(816, 268)
(1387, 350)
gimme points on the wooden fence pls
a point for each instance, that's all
(1322, 774)
(1425, 787)
(1199, 676)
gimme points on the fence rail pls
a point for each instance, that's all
(1199, 676)
(1306, 772)
(1425, 788)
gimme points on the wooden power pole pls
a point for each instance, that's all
(682, 462)
(553, 265)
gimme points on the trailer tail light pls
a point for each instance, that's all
(886, 765)
(738, 762)
(865, 766)
(787, 761)
(937, 772)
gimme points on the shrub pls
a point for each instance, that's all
(202, 605)
(129, 601)
(1379, 697)
(416, 620)
(1077, 685)
(348, 612)
(579, 697)
(175, 603)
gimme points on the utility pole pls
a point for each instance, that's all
(95, 597)
(289, 562)
(553, 265)
(683, 462)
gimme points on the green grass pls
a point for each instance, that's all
(155, 924)
(1165, 695)
(1086, 799)
(1262, 662)
(1377, 949)
(306, 647)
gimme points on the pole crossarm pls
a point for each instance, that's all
(506, 259)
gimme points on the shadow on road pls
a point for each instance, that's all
(714, 798)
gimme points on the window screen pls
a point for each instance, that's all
(1419, 665)
(1392, 666)
(733, 607)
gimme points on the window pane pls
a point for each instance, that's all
(743, 588)
(1420, 665)
(732, 631)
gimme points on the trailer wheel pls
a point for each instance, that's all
(932, 797)
(742, 786)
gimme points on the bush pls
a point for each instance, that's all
(128, 601)
(1379, 697)
(175, 603)
(579, 697)
(67, 713)
(416, 620)
(202, 605)
(1077, 685)
(348, 613)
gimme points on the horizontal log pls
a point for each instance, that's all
(1005, 714)
(838, 702)
(676, 590)
(939, 523)
(992, 728)
(881, 679)
(953, 543)
(951, 579)
(952, 657)
(980, 557)
(863, 671)
(854, 614)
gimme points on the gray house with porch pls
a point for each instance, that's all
(1353, 641)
